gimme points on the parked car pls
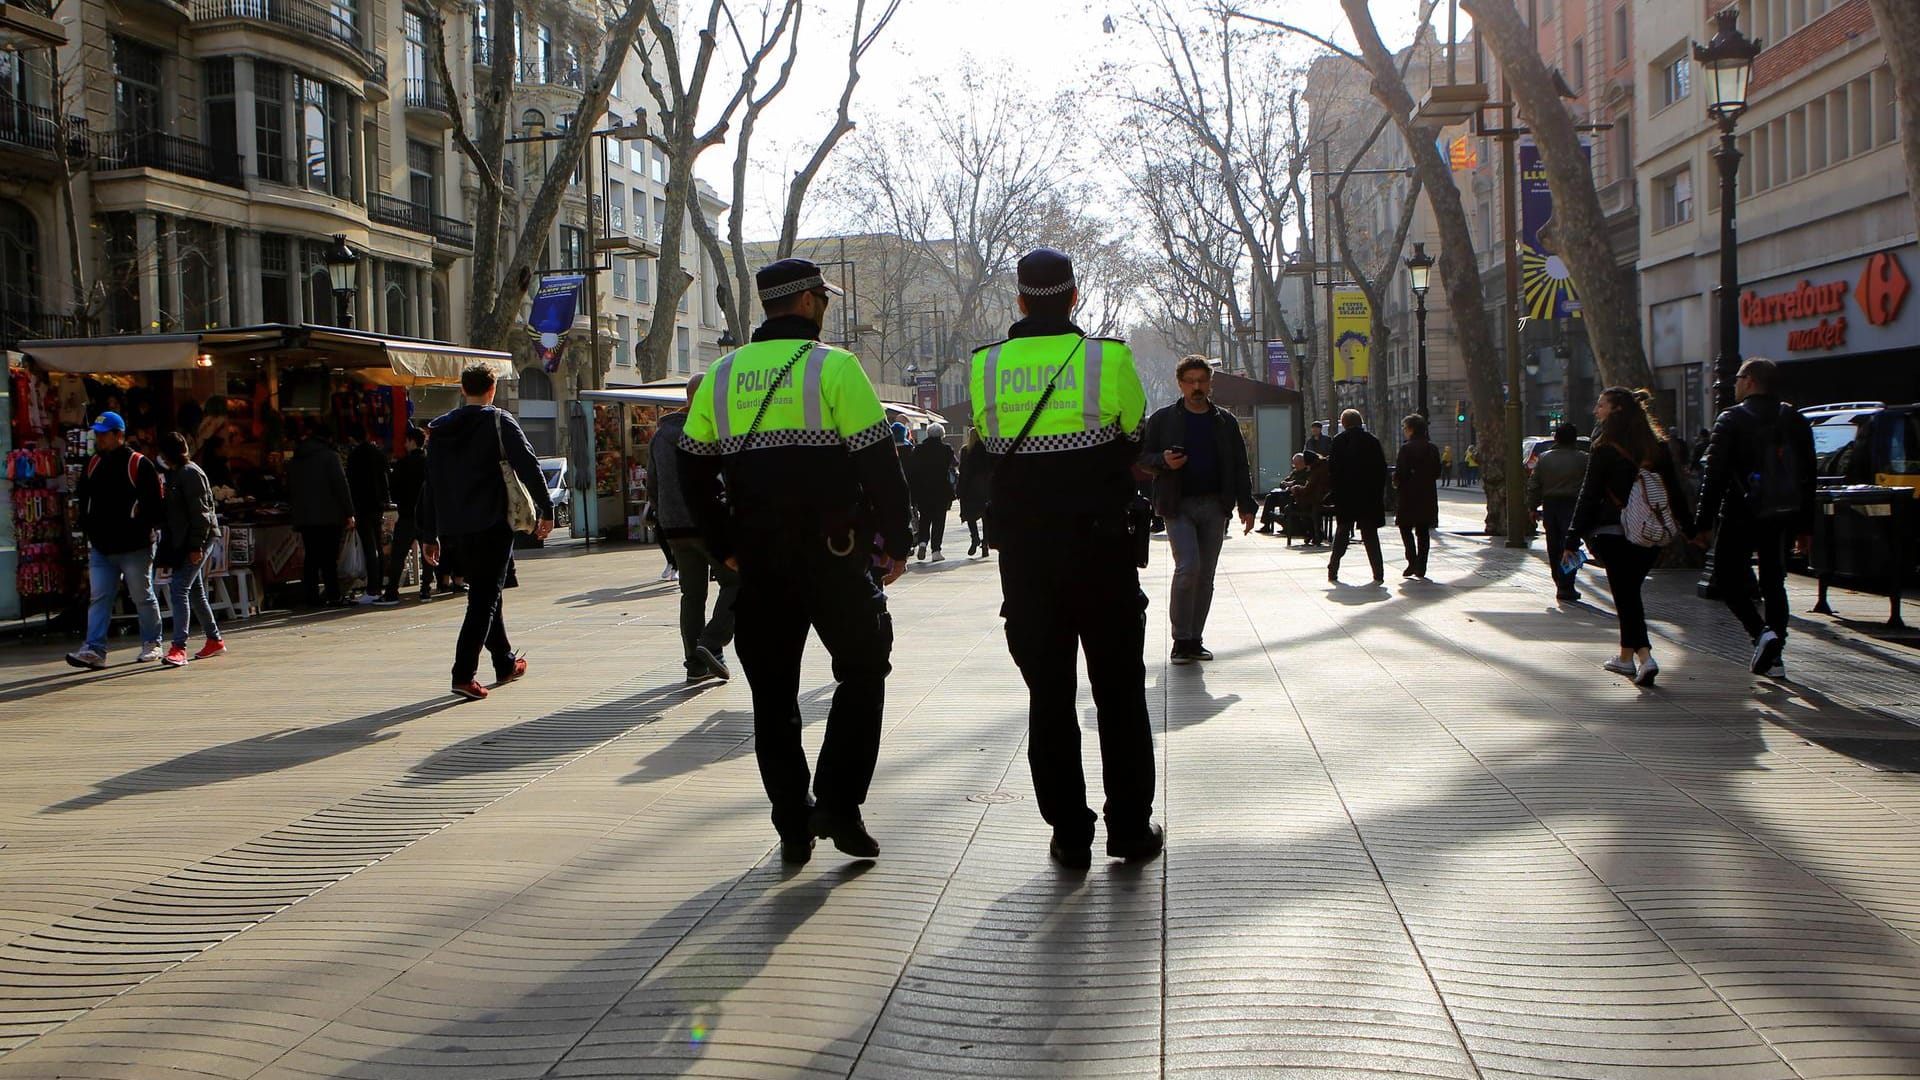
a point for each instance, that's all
(1533, 446)
(559, 478)
(1840, 412)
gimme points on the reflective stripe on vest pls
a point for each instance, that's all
(989, 392)
(722, 375)
(1090, 386)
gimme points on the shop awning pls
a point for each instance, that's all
(657, 394)
(384, 359)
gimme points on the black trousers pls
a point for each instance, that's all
(481, 558)
(1066, 593)
(1628, 565)
(405, 531)
(1742, 542)
(367, 524)
(1418, 542)
(1369, 535)
(320, 563)
(933, 522)
(1557, 516)
(789, 584)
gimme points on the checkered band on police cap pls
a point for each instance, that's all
(790, 277)
(1045, 272)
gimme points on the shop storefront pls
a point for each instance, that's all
(1847, 331)
(236, 395)
(621, 451)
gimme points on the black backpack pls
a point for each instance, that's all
(1773, 487)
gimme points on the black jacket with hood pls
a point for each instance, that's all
(122, 500)
(465, 492)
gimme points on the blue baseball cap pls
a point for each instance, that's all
(109, 421)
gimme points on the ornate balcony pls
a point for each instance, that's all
(31, 127)
(394, 210)
(453, 231)
(297, 18)
(169, 153)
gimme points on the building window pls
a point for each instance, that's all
(396, 293)
(1622, 147)
(643, 281)
(1577, 78)
(223, 116)
(573, 248)
(1673, 193)
(617, 204)
(414, 31)
(543, 53)
(683, 349)
(136, 87)
(423, 171)
(1772, 21)
(1674, 77)
(316, 133)
(193, 252)
(270, 121)
(1622, 37)
(19, 260)
(659, 166)
(123, 274)
(619, 278)
(621, 356)
(613, 145)
(275, 279)
(660, 220)
(322, 307)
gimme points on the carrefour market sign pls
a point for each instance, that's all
(1857, 306)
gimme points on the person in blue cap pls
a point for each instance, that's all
(122, 502)
(811, 478)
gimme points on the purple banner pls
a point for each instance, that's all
(1280, 364)
(1545, 283)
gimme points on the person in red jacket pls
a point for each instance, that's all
(122, 502)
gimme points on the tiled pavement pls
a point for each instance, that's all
(1413, 832)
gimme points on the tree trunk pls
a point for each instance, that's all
(1459, 270)
(1609, 307)
(1899, 22)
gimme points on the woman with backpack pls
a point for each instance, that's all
(1628, 509)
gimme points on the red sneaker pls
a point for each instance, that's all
(210, 650)
(176, 657)
(519, 668)
(471, 690)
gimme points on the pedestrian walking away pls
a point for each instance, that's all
(367, 477)
(122, 501)
(812, 477)
(976, 487)
(1416, 479)
(703, 640)
(409, 476)
(1552, 490)
(1358, 467)
(191, 527)
(930, 472)
(1198, 459)
(1473, 466)
(465, 519)
(1061, 415)
(1759, 490)
(1446, 466)
(1626, 503)
(322, 513)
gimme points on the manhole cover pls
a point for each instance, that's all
(994, 797)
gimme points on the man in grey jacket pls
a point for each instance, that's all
(1552, 490)
(702, 640)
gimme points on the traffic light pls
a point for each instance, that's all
(1460, 411)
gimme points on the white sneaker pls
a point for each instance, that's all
(1766, 652)
(1647, 672)
(1620, 667)
(150, 652)
(937, 557)
(666, 573)
(1777, 671)
(368, 598)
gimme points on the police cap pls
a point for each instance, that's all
(1045, 272)
(790, 277)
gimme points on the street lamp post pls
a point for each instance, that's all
(1419, 271)
(1727, 61)
(343, 269)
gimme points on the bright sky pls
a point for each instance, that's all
(1048, 44)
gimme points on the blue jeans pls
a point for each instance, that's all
(104, 573)
(1196, 530)
(188, 596)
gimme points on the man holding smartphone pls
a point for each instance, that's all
(1198, 459)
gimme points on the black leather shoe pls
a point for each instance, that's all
(1138, 847)
(1073, 856)
(847, 832)
(796, 850)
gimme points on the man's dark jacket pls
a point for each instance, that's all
(1167, 428)
(117, 512)
(1740, 439)
(930, 469)
(666, 480)
(409, 476)
(367, 478)
(1359, 468)
(465, 491)
(318, 485)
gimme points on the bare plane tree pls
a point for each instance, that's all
(1899, 22)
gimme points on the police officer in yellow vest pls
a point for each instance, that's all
(1060, 414)
(811, 481)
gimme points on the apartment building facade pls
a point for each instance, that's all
(1826, 228)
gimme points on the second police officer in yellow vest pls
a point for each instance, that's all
(1060, 414)
(811, 480)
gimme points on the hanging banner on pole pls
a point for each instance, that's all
(1280, 364)
(554, 304)
(1546, 286)
(1352, 334)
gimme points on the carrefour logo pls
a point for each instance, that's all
(1882, 289)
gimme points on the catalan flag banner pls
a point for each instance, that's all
(1463, 154)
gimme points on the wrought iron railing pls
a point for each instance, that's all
(393, 210)
(171, 153)
(426, 94)
(32, 324)
(379, 64)
(39, 128)
(453, 230)
(536, 72)
(483, 52)
(329, 23)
